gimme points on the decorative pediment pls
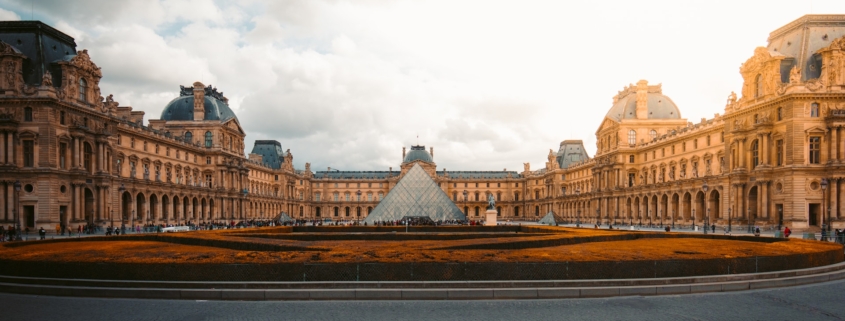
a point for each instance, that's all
(11, 68)
(761, 73)
(815, 130)
(26, 133)
(235, 125)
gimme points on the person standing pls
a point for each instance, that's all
(786, 231)
(42, 233)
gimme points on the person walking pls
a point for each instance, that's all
(42, 233)
(786, 231)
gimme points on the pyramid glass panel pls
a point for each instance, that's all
(417, 195)
(551, 219)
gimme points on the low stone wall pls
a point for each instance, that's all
(428, 271)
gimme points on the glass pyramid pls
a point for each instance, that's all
(550, 219)
(416, 194)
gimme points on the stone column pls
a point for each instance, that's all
(3, 214)
(834, 201)
(3, 148)
(75, 153)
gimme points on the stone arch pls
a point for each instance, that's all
(140, 203)
(154, 214)
(165, 208)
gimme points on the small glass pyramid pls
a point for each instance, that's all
(415, 195)
(551, 219)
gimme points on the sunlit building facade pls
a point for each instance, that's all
(772, 155)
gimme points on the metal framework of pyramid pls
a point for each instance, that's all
(551, 219)
(284, 218)
(416, 194)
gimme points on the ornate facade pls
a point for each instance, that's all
(774, 156)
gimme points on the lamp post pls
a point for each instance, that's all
(693, 219)
(358, 209)
(120, 191)
(649, 217)
(824, 199)
(578, 193)
(598, 216)
(17, 210)
(673, 219)
(465, 203)
(704, 187)
(749, 218)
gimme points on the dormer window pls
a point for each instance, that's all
(83, 86)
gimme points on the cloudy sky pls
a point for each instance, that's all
(489, 84)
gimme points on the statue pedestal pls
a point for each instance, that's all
(490, 218)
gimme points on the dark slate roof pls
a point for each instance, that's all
(479, 174)
(800, 39)
(271, 153)
(354, 174)
(571, 152)
(41, 44)
(182, 108)
(418, 153)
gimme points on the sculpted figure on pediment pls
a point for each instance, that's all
(795, 75)
(47, 79)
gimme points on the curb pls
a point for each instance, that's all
(482, 290)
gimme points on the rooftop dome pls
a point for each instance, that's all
(657, 105)
(418, 153)
(182, 108)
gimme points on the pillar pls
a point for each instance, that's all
(834, 199)
(3, 214)
(75, 153)
(3, 148)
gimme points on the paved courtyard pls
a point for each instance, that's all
(825, 301)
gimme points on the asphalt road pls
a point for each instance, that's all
(824, 301)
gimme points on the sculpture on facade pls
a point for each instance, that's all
(795, 75)
(47, 79)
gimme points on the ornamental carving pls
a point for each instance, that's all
(761, 73)
(833, 60)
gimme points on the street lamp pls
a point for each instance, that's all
(358, 193)
(578, 193)
(693, 219)
(465, 203)
(824, 196)
(120, 191)
(598, 216)
(704, 187)
(649, 217)
(17, 210)
(749, 219)
(673, 219)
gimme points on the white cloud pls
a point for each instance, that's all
(8, 15)
(489, 84)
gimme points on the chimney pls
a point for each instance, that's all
(199, 101)
(432, 152)
(642, 99)
(403, 153)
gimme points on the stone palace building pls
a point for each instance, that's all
(775, 154)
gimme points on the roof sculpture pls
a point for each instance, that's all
(416, 194)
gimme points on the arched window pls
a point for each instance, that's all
(653, 134)
(814, 110)
(208, 139)
(632, 137)
(755, 154)
(758, 86)
(27, 114)
(189, 138)
(83, 87)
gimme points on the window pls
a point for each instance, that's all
(673, 149)
(663, 152)
(347, 197)
(815, 150)
(132, 142)
(317, 197)
(62, 117)
(780, 114)
(722, 137)
(118, 139)
(88, 157)
(28, 153)
(369, 197)
(27, 114)
(814, 110)
(630, 179)
(779, 152)
(516, 197)
(83, 86)
(695, 143)
(632, 137)
(653, 134)
(380, 196)
(208, 139)
(189, 138)
(708, 140)
(684, 146)
(156, 149)
(758, 86)
(208, 160)
(336, 197)
(145, 146)
(62, 155)
(756, 119)
(167, 151)
(230, 142)
(755, 153)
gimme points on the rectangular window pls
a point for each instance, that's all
(369, 197)
(708, 140)
(317, 197)
(815, 150)
(684, 146)
(62, 117)
(132, 142)
(673, 149)
(779, 151)
(62, 155)
(28, 153)
(695, 143)
(208, 160)
(630, 179)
